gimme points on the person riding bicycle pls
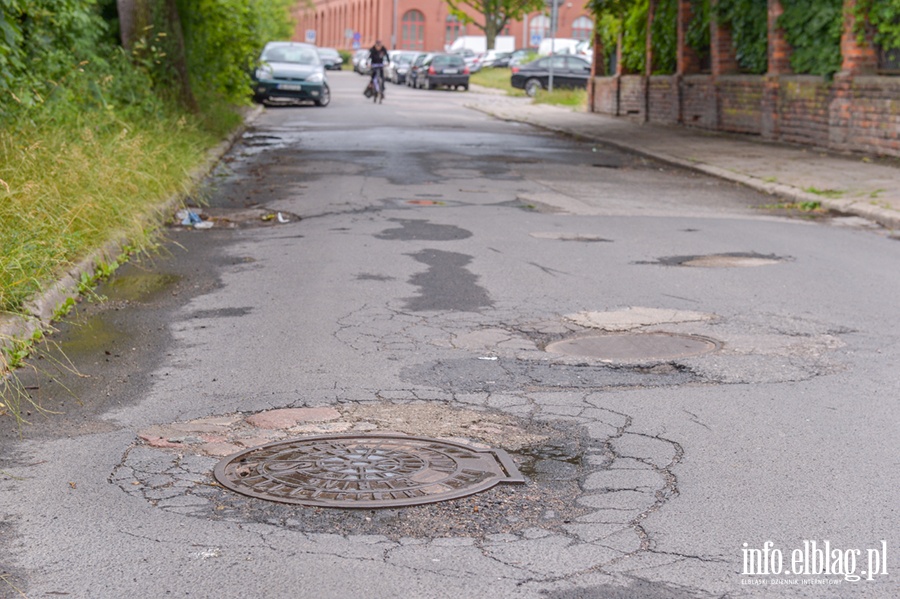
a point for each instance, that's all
(378, 57)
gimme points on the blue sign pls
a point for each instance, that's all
(310, 36)
(536, 39)
(357, 36)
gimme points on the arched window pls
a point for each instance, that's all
(582, 27)
(453, 29)
(412, 36)
(539, 28)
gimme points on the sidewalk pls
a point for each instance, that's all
(865, 187)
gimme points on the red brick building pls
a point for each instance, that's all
(421, 24)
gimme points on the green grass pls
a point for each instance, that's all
(496, 79)
(562, 97)
(72, 188)
(500, 79)
(71, 182)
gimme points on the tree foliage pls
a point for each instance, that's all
(66, 50)
(813, 29)
(493, 15)
(749, 23)
(884, 17)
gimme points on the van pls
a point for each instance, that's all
(559, 45)
(478, 44)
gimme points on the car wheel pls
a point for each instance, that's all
(532, 87)
(324, 97)
(430, 85)
(465, 87)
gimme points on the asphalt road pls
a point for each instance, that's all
(740, 386)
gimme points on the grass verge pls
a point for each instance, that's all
(500, 79)
(71, 185)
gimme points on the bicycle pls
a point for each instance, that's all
(378, 83)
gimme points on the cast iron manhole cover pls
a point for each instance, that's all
(634, 347)
(365, 471)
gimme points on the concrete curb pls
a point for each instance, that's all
(889, 219)
(38, 313)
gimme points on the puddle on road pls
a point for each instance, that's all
(137, 287)
(92, 336)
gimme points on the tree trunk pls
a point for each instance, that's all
(134, 16)
(179, 55)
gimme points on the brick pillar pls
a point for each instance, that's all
(688, 60)
(779, 48)
(859, 58)
(723, 60)
(648, 60)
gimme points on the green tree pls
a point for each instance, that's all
(494, 14)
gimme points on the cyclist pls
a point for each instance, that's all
(378, 57)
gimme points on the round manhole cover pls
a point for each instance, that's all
(634, 347)
(365, 471)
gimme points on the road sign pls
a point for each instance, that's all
(348, 33)
(310, 36)
(536, 39)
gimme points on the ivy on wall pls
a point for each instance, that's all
(884, 17)
(749, 23)
(665, 37)
(813, 29)
(697, 36)
(634, 37)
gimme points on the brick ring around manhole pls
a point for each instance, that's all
(365, 471)
(634, 347)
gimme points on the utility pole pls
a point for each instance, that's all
(554, 15)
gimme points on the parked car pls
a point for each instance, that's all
(331, 59)
(493, 58)
(290, 71)
(568, 71)
(448, 70)
(520, 57)
(361, 62)
(397, 69)
(413, 74)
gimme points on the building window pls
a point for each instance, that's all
(453, 29)
(582, 27)
(539, 28)
(412, 36)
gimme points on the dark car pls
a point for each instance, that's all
(290, 71)
(568, 71)
(413, 73)
(438, 70)
(331, 59)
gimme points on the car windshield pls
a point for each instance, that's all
(291, 54)
(330, 52)
(406, 58)
(448, 61)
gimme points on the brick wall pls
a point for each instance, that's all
(698, 102)
(865, 115)
(606, 95)
(852, 113)
(741, 103)
(632, 98)
(663, 105)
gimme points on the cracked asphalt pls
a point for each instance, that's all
(432, 255)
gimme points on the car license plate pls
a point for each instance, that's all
(451, 71)
(289, 87)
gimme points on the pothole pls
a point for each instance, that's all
(727, 260)
(634, 347)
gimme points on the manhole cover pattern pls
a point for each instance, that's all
(634, 347)
(371, 471)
